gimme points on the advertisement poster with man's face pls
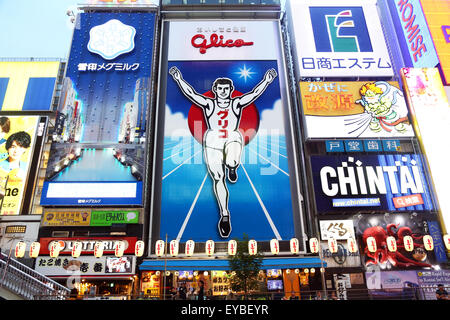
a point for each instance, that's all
(98, 151)
(226, 164)
(17, 137)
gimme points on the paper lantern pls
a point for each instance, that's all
(297, 271)
(391, 244)
(35, 247)
(173, 248)
(19, 252)
(371, 244)
(274, 246)
(447, 241)
(189, 248)
(288, 271)
(408, 243)
(306, 271)
(159, 248)
(332, 245)
(209, 247)
(54, 249)
(313, 245)
(351, 245)
(98, 249)
(428, 242)
(232, 247)
(119, 248)
(293, 243)
(252, 247)
(139, 248)
(313, 270)
(76, 249)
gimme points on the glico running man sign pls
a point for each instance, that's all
(370, 183)
(98, 151)
(226, 151)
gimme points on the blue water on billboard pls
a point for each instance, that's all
(259, 205)
(96, 165)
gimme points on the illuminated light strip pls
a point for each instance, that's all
(181, 164)
(176, 154)
(269, 219)
(188, 216)
(272, 151)
(270, 162)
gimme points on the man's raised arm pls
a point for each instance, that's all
(187, 90)
(248, 98)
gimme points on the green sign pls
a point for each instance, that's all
(107, 218)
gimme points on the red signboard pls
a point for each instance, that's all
(88, 244)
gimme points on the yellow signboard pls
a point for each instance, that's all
(437, 13)
(27, 85)
(66, 218)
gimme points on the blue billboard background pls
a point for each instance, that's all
(92, 142)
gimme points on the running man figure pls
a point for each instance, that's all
(222, 142)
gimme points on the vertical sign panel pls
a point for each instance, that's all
(98, 153)
(227, 167)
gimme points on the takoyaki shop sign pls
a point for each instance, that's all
(370, 183)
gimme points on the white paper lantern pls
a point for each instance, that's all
(274, 246)
(408, 243)
(288, 271)
(371, 244)
(76, 249)
(98, 249)
(189, 248)
(19, 251)
(119, 248)
(351, 245)
(139, 248)
(252, 247)
(447, 241)
(159, 248)
(428, 242)
(35, 247)
(293, 243)
(313, 245)
(391, 243)
(173, 248)
(332, 245)
(232, 247)
(54, 249)
(209, 247)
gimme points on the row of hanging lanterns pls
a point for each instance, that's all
(119, 247)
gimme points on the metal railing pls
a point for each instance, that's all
(27, 283)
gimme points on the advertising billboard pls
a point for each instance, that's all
(95, 218)
(354, 109)
(413, 34)
(430, 114)
(436, 14)
(342, 39)
(99, 144)
(18, 136)
(370, 183)
(227, 164)
(87, 244)
(27, 85)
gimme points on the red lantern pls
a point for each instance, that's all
(314, 245)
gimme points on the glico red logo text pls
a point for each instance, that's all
(200, 41)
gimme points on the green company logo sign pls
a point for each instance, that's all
(107, 218)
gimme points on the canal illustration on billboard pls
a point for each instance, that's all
(98, 151)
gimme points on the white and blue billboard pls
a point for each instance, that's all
(227, 167)
(99, 142)
(367, 183)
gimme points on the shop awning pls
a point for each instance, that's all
(222, 264)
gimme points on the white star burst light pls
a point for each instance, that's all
(245, 73)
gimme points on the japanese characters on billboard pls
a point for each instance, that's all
(27, 85)
(437, 13)
(88, 244)
(338, 39)
(98, 151)
(398, 226)
(88, 217)
(370, 183)
(430, 114)
(355, 109)
(227, 167)
(17, 141)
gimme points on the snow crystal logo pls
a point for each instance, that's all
(111, 39)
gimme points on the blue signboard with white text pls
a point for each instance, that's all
(98, 151)
(352, 183)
